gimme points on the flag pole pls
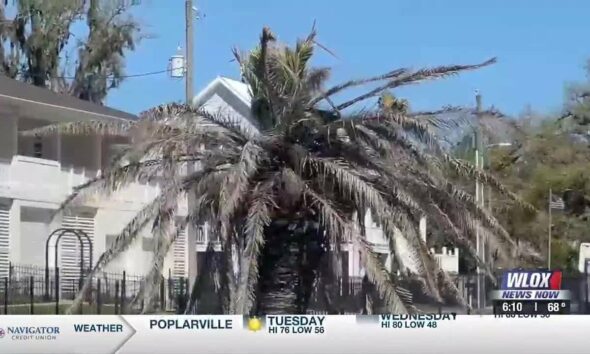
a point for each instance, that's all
(549, 233)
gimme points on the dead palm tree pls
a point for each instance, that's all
(285, 197)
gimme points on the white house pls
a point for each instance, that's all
(232, 98)
(36, 174)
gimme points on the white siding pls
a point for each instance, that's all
(180, 255)
(69, 252)
(4, 240)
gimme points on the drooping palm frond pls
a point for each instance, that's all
(102, 128)
(415, 77)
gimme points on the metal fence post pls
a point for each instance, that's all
(98, 298)
(6, 296)
(180, 297)
(32, 294)
(123, 293)
(187, 294)
(162, 294)
(57, 291)
(46, 283)
(116, 297)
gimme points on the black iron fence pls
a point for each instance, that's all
(352, 295)
(28, 290)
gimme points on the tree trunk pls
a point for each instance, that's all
(288, 268)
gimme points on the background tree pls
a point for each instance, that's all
(37, 44)
(550, 158)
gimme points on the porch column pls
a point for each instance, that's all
(98, 151)
(14, 121)
(58, 147)
(14, 242)
(8, 137)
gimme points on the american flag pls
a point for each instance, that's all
(556, 203)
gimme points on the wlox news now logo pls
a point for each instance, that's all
(533, 285)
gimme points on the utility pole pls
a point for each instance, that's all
(191, 230)
(189, 51)
(549, 231)
(478, 199)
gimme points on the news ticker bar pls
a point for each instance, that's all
(536, 295)
(293, 334)
(534, 307)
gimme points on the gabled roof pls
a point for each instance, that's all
(237, 88)
(37, 102)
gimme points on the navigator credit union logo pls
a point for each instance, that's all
(2, 332)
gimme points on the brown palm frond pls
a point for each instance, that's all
(414, 77)
(124, 239)
(89, 128)
(258, 218)
(464, 168)
(458, 237)
(165, 233)
(236, 183)
(366, 194)
(359, 82)
(380, 277)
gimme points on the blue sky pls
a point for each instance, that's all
(541, 45)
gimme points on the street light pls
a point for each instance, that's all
(479, 200)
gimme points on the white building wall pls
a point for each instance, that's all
(32, 188)
(110, 222)
(216, 105)
(35, 226)
(448, 260)
(583, 257)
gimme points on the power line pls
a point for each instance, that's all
(150, 73)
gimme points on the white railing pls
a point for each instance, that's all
(447, 259)
(46, 180)
(204, 236)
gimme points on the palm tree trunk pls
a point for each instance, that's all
(288, 268)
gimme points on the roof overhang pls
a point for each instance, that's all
(24, 100)
(237, 88)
